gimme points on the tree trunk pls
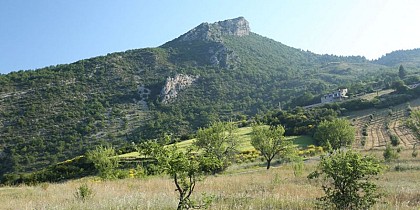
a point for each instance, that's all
(268, 164)
(180, 204)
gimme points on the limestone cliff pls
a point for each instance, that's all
(174, 85)
(214, 31)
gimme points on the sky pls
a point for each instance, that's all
(35, 34)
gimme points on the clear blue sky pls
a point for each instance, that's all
(39, 33)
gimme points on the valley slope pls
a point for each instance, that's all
(218, 71)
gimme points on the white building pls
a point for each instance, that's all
(337, 95)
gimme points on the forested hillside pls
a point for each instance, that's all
(410, 58)
(55, 113)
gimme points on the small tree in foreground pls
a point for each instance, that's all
(270, 142)
(347, 180)
(184, 167)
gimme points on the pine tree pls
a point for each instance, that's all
(402, 72)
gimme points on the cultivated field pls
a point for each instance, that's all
(246, 186)
(376, 126)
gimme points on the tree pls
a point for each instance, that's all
(399, 86)
(104, 159)
(402, 72)
(347, 176)
(184, 167)
(270, 142)
(413, 122)
(305, 99)
(218, 143)
(335, 134)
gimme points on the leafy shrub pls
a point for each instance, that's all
(105, 161)
(364, 132)
(389, 154)
(247, 156)
(357, 104)
(334, 134)
(392, 100)
(137, 172)
(414, 153)
(347, 176)
(298, 167)
(83, 193)
(312, 150)
(363, 141)
(387, 125)
(69, 169)
(395, 141)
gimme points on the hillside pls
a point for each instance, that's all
(410, 58)
(215, 71)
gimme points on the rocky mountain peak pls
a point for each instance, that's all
(235, 27)
(214, 31)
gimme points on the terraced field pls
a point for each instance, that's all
(375, 127)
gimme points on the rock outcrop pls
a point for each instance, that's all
(174, 85)
(144, 96)
(214, 31)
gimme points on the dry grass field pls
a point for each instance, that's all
(242, 187)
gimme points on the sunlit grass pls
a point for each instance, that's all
(244, 137)
(243, 187)
(129, 155)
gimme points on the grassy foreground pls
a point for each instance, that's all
(241, 188)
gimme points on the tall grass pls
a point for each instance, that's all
(252, 188)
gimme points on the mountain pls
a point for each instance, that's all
(409, 58)
(216, 71)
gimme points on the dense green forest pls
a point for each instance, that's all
(410, 58)
(55, 113)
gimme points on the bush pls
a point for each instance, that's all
(69, 169)
(334, 134)
(414, 153)
(395, 141)
(389, 154)
(83, 193)
(247, 156)
(364, 132)
(105, 161)
(363, 141)
(392, 100)
(298, 168)
(347, 178)
(312, 150)
(357, 104)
